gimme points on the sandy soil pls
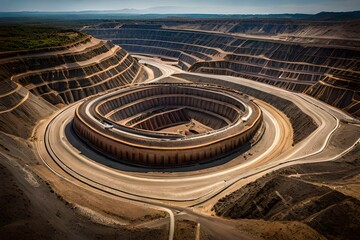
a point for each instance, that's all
(190, 128)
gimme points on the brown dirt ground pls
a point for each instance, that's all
(185, 230)
(31, 209)
(311, 194)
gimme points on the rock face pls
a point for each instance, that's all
(298, 193)
(294, 57)
(286, 199)
(59, 76)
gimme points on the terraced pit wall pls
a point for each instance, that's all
(303, 125)
(60, 76)
(300, 67)
(140, 112)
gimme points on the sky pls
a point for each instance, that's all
(186, 6)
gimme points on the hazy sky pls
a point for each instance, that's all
(186, 6)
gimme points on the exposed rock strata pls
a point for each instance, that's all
(303, 125)
(326, 68)
(60, 76)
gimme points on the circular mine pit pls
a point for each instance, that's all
(168, 125)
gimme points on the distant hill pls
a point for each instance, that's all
(169, 12)
(337, 15)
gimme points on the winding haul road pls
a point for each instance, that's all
(69, 158)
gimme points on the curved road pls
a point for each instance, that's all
(66, 156)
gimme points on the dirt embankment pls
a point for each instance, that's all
(26, 216)
(314, 194)
(303, 125)
(30, 209)
(185, 229)
(22, 112)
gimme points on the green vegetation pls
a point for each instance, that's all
(21, 37)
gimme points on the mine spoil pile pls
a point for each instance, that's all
(166, 125)
(297, 193)
(325, 68)
(60, 76)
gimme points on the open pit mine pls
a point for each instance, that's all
(185, 129)
(164, 125)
